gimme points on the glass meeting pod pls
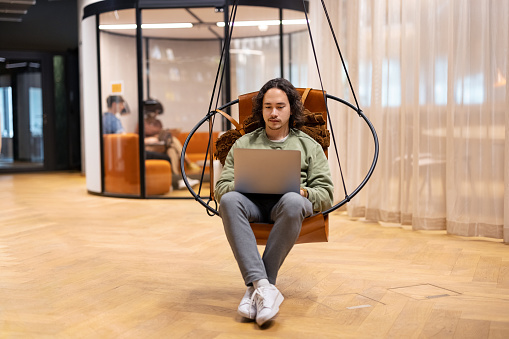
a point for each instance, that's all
(148, 70)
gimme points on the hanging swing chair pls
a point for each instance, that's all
(315, 228)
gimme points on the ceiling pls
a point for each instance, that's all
(14, 10)
(204, 22)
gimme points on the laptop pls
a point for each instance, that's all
(266, 171)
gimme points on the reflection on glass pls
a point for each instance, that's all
(35, 113)
(21, 114)
(6, 124)
(298, 46)
(179, 77)
(162, 143)
(254, 60)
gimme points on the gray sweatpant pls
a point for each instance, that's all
(286, 212)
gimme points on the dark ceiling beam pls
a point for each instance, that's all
(18, 2)
(111, 5)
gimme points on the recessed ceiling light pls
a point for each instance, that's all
(147, 26)
(124, 26)
(246, 51)
(168, 25)
(265, 23)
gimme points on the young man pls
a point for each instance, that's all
(278, 109)
(111, 123)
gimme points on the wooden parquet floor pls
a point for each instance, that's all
(76, 265)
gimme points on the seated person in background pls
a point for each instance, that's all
(153, 126)
(161, 140)
(111, 121)
(278, 108)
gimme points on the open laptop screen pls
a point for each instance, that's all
(266, 171)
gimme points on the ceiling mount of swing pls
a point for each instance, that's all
(210, 117)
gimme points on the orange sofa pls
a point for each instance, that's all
(197, 146)
(122, 169)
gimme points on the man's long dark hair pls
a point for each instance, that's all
(294, 98)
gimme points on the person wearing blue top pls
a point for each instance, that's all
(111, 123)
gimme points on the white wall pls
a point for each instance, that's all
(81, 5)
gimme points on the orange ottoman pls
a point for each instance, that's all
(158, 176)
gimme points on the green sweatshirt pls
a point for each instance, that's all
(315, 174)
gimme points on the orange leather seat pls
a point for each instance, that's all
(122, 169)
(316, 227)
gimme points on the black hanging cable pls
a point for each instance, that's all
(226, 46)
(325, 99)
(340, 55)
(210, 117)
(227, 43)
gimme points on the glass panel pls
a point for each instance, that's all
(6, 123)
(21, 113)
(63, 113)
(119, 93)
(296, 46)
(35, 112)
(179, 79)
(254, 62)
(298, 58)
(254, 50)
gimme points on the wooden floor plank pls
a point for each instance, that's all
(474, 329)
(411, 320)
(488, 269)
(441, 324)
(498, 330)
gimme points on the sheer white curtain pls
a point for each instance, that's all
(431, 76)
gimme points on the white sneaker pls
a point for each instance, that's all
(192, 182)
(247, 307)
(268, 299)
